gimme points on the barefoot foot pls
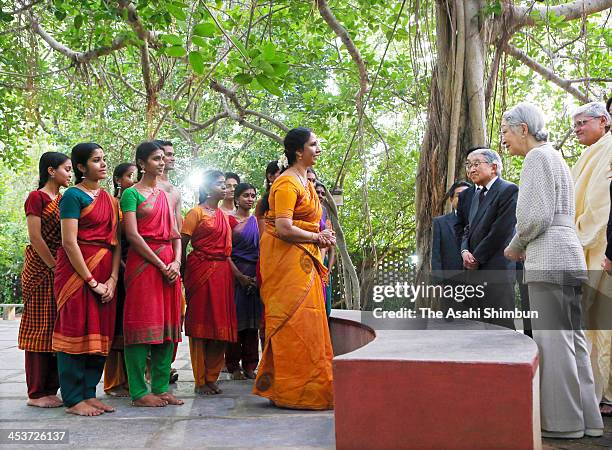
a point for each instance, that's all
(150, 400)
(50, 401)
(204, 390)
(237, 375)
(84, 409)
(171, 399)
(214, 387)
(99, 404)
(118, 392)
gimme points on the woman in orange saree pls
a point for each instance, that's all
(85, 279)
(295, 370)
(152, 311)
(210, 321)
(36, 327)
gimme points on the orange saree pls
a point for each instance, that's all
(295, 370)
(84, 324)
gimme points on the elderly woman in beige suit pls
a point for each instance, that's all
(554, 270)
(592, 182)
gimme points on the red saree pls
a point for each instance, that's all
(84, 325)
(209, 282)
(152, 309)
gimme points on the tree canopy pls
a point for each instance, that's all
(224, 80)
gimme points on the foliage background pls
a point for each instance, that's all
(282, 61)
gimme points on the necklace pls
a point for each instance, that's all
(209, 209)
(304, 181)
(90, 192)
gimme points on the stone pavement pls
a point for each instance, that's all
(233, 419)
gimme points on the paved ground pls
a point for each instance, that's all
(234, 419)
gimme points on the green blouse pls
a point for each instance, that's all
(131, 199)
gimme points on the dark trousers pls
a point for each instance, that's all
(79, 375)
(41, 374)
(246, 349)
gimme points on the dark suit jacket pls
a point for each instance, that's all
(492, 227)
(445, 251)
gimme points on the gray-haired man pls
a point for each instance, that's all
(486, 220)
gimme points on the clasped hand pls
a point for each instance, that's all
(327, 238)
(469, 262)
(105, 290)
(171, 271)
(514, 255)
(246, 281)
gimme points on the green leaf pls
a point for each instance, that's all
(78, 21)
(171, 39)
(175, 51)
(177, 12)
(268, 51)
(263, 65)
(241, 46)
(254, 52)
(280, 69)
(243, 78)
(199, 41)
(5, 17)
(60, 14)
(206, 29)
(197, 62)
(268, 85)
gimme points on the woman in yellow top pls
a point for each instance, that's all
(295, 369)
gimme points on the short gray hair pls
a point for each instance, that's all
(530, 115)
(593, 109)
(491, 156)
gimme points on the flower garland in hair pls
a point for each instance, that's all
(283, 162)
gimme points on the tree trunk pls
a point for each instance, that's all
(456, 114)
(349, 273)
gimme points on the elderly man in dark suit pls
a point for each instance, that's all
(486, 219)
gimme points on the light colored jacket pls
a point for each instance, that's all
(545, 220)
(592, 184)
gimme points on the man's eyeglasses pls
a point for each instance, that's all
(468, 165)
(581, 123)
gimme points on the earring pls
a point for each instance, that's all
(142, 171)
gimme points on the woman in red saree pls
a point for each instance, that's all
(36, 327)
(210, 321)
(295, 370)
(152, 310)
(85, 279)
(115, 373)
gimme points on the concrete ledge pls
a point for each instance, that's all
(347, 334)
(461, 384)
